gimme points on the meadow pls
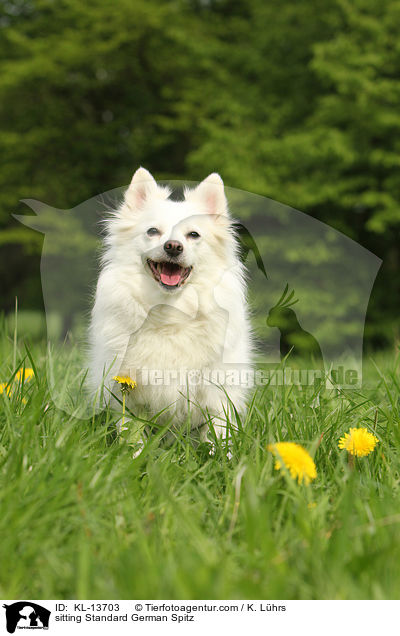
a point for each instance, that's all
(80, 518)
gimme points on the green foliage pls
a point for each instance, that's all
(296, 101)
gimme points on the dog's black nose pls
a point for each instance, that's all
(173, 248)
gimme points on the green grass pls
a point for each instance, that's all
(81, 519)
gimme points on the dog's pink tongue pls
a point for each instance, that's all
(170, 275)
(170, 279)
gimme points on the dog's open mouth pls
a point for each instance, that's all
(169, 275)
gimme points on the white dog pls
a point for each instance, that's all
(170, 308)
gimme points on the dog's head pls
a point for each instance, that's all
(173, 242)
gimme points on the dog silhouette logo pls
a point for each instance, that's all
(26, 615)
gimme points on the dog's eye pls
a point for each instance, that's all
(152, 231)
(194, 235)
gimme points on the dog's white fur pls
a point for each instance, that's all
(202, 325)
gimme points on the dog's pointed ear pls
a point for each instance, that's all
(211, 194)
(141, 187)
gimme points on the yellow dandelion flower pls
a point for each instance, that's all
(5, 388)
(358, 441)
(126, 383)
(296, 459)
(21, 375)
(24, 374)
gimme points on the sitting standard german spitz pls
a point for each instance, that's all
(170, 308)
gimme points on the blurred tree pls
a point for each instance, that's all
(88, 91)
(314, 122)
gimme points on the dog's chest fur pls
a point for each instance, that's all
(171, 339)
